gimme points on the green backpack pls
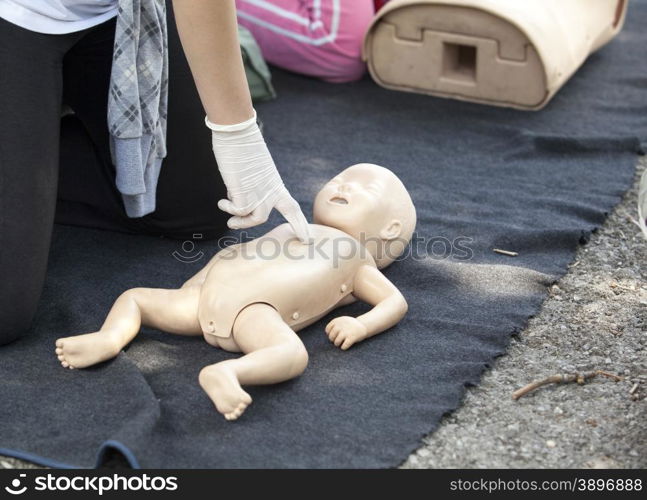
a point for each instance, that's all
(258, 74)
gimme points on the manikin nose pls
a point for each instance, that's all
(344, 188)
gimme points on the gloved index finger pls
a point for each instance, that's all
(290, 209)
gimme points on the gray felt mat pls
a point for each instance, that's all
(536, 183)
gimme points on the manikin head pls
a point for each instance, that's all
(371, 204)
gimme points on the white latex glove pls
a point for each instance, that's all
(254, 186)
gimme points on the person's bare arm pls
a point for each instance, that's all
(372, 287)
(209, 33)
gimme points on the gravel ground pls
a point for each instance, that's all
(594, 319)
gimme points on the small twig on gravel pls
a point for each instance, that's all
(565, 378)
(505, 252)
(631, 219)
(634, 388)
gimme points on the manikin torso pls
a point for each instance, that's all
(302, 282)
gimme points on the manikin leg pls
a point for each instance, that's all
(273, 353)
(173, 311)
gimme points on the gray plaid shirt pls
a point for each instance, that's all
(137, 104)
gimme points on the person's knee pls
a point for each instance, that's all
(9, 335)
(14, 325)
(341, 62)
(20, 293)
(346, 71)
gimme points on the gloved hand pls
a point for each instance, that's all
(254, 185)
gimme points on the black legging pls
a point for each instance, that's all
(39, 150)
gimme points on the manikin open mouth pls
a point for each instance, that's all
(338, 200)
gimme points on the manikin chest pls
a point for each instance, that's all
(302, 282)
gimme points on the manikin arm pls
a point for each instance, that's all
(372, 287)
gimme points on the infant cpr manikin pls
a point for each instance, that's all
(253, 297)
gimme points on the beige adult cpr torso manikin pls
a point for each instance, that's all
(253, 297)
(516, 53)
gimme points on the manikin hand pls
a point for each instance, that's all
(254, 186)
(345, 331)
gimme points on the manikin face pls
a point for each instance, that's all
(356, 201)
(369, 203)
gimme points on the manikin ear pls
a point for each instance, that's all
(392, 230)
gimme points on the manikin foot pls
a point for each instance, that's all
(222, 386)
(86, 350)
